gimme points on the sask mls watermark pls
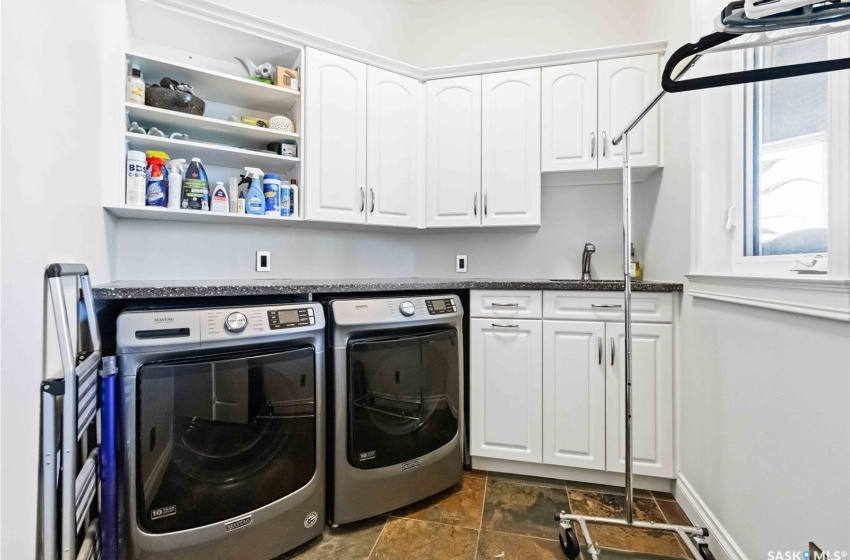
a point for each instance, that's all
(815, 554)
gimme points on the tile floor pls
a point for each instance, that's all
(502, 516)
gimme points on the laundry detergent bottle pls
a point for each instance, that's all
(156, 188)
(255, 200)
(196, 187)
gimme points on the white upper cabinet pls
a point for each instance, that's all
(392, 155)
(626, 85)
(453, 152)
(505, 389)
(569, 117)
(335, 143)
(574, 394)
(652, 399)
(510, 148)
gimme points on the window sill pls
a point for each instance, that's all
(827, 298)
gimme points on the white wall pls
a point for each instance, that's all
(52, 146)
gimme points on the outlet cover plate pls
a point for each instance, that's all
(462, 263)
(264, 261)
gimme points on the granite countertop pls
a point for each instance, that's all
(217, 288)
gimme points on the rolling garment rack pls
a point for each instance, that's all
(817, 18)
(69, 490)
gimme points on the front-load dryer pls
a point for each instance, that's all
(396, 419)
(222, 431)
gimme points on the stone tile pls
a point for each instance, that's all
(523, 509)
(610, 554)
(663, 495)
(634, 539)
(475, 473)
(513, 547)
(530, 480)
(411, 539)
(598, 504)
(461, 505)
(673, 513)
(352, 541)
(606, 489)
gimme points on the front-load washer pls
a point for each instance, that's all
(396, 412)
(222, 431)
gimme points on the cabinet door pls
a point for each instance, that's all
(453, 146)
(392, 154)
(625, 86)
(505, 393)
(335, 139)
(569, 117)
(652, 399)
(510, 148)
(574, 394)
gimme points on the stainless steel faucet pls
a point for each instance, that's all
(589, 249)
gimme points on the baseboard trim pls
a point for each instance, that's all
(569, 473)
(723, 547)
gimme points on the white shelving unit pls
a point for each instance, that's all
(180, 215)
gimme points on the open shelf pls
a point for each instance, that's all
(210, 85)
(212, 154)
(180, 215)
(205, 128)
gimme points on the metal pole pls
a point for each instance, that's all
(627, 293)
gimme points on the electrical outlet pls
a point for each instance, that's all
(462, 263)
(264, 261)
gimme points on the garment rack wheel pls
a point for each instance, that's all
(569, 541)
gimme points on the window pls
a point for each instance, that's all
(787, 155)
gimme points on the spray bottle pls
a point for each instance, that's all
(175, 182)
(255, 200)
(156, 188)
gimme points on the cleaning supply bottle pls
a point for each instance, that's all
(286, 201)
(293, 198)
(271, 191)
(219, 199)
(240, 203)
(136, 178)
(196, 187)
(255, 200)
(175, 182)
(136, 86)
(635, 268)
(233, 194)
(156, 188)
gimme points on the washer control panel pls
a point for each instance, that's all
(291, 318)
(441, 306)
(407, 308)
(236, 322)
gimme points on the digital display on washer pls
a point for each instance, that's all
(290, 318)
(440, 306)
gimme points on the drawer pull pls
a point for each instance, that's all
(612, 350)
(599, 343)
(504, 326)
(497, 304)
(607, 305)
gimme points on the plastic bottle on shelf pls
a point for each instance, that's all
(219, 200)
(255, 200)
(175, 182)
(272, 194)
(136, 178)
(156, 187)
(240, 203)
(196, 187)
(286, 200)
(136, 86)
(233, 194)
(293, 198)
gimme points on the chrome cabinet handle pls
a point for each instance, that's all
(475, 203)
(485, 203)
(372, 192)
(612, 350)
(604, 144)
(504, 326)
(599, 344)
(362, 199)
(592, 145)
(607, 305)
(497, 304)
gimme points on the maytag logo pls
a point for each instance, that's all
(238, 524)
(163, 512)
(410, 464)
(367, 455)
(362, 306)
(163, 319)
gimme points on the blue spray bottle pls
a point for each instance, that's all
(255, 200)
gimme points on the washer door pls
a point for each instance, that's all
(403, 394)
(221, 436)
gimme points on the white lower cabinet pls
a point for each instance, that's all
(505, 400)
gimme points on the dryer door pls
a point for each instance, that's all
(221, 436)
(403, 395)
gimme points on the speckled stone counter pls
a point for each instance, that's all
(124, 290)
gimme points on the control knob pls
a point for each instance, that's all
(407, 309)
(236, 322)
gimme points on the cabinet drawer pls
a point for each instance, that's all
(517, 304)
(607, 306)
